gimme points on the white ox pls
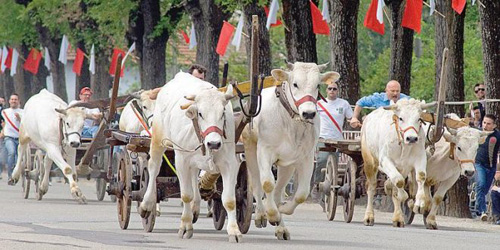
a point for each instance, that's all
(393, 141)
(214, 114)
(277, 138)
(41, 125)
(129, 121)
(454, 156)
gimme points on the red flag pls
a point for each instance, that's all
(225, 35)
(33, 61)
(186, 37)
(371, 21)
(278, 22)
(412, 18)
(458, 5)
(112, 68)
(78, 63)
(8, 60)
(319, 25)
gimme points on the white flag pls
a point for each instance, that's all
(47, 59)
(272, 18)
(433, 7)
(380, 11)
(473, 2)
(5, 53)
(130, 50)
(192, 37)
(92, 60)
(237, 36)
(63, 57)
(13, 66)
(325, 12)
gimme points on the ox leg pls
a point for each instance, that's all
(258, 193)
(397, 217)
(284, 176)
(44, 183)
(195, 204)
(267, 179)
(148, 203)
(371, 184)
(437, 198)
(21, 150)
(54, 153)
(398, 182)
(304, 173)
(421, 175)
(281, 232)
(186, 185)
(229, 175)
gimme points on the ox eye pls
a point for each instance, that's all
(400, 119)
(199, 114)
(295, 85)
(144, 107)
(67, 123)
(459, 149)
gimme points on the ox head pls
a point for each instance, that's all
(302, 85)
(465, 141)
(208, 110)
(146, 103)
(72, 124)
(406, 117)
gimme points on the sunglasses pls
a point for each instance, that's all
(332, 89)
(480, 89)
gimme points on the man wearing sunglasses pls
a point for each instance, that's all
(480, 92)
(332, 113)
(376, 100)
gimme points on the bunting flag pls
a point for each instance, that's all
(319, 25)
(325, 12)
(13, 64)
(5, 52)
(92, 60)
(33, 61)
(129, 51)
(192, 41)
(185, 36)
(380, 11)
(432, 6)
(8, 59)
(237, 36)
(458, 5)
(473, 3)
(371, 21)
(78, 63)
(114, 60)
(63, 52)
(412, 17)
(272, 14)
(225, 34)
(278, 21)
(47, 58)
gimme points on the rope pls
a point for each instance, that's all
(451, 102)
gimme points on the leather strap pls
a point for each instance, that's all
(210, 130)
(306, 98)
(280, 93)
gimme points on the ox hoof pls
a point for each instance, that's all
(398, 224)
(282, 233)
(431, 225)
(185, 233)
(143, 212)
(261, 222)
(196, 214)
(369, 221)
(235, 238)
(12, 182)
(158, 213)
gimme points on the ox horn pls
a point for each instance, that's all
(186, 106)
(425, 106)
(390, 107)
(137, 94)
(322, 67)
(190, 97)
(289, 65)
(229, 92)
(452, 131)
(486, 133)
(61, 111)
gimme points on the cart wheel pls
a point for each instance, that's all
(26, 180)
(148, 223)
(219, 215)
(100, 183)
(124, 202)
(244, 199)
(39, 170)
(350, 179)
(407, 211)
(331, 178)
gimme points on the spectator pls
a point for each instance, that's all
(12, 117)
(90, 126)
(495, 199)
(476, 120)
(332, 113)
(480, 92)
(486, 163)
(3, 151)
(376, 100)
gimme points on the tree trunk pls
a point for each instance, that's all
(344, 44)
(457, 204)
(40, 80)
(153, 51)
(22, 78)
(207, 18)
(490, 28)
(300, 40)
(101, 81)
(264, 47)
(135, 33)
(84, 79)
(8, 85)
(401, 47)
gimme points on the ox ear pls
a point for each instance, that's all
(425, 106)
(449, 137)
(329, 77)
(192, 112)
(484, 135)
(280, 75)
(190, 97)
(322, 67)
(186, 105)
(61, 111)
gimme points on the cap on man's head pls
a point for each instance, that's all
(85, 90)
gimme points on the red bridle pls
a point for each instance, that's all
(306, 98)
(210, 130)
(400, 131)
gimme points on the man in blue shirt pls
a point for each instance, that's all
(376, 100)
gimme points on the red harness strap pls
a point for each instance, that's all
(210, 130)
(306, 98)
(10, 122)
(330, 116)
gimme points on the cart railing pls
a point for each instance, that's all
(348, 135)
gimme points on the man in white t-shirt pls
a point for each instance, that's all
(90, 126)
(332, 114)
(12, 117)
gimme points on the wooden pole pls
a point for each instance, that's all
(438, 131)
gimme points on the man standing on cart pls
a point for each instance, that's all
(332, 113)
(90, 126)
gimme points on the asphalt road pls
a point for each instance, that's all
(58, 222)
